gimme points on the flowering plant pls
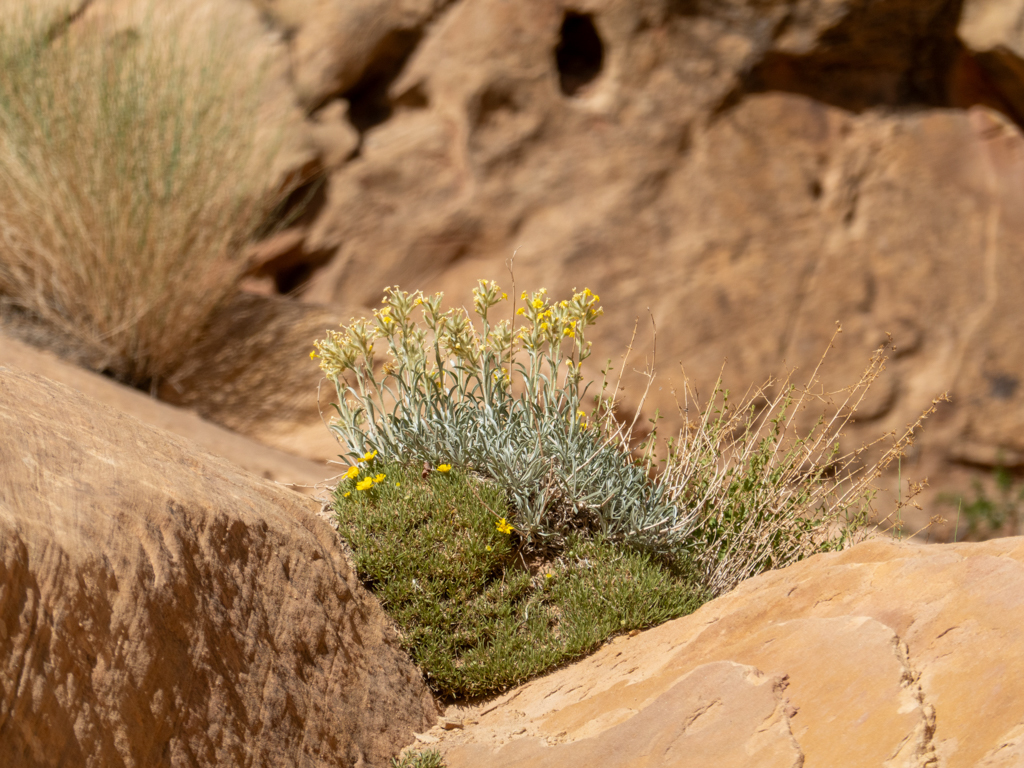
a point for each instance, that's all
(502, 399)
(351, 482)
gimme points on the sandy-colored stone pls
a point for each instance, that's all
(160, 607)
(334, 42)
(279, 466)
(886, 654)
(750, 173)
(721, 714)
(252, 374)
(993, 30)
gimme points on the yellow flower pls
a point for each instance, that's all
(504, 297)
(548, 575)
(379, 478)
(352, 473)
(368, 456)
(488, 547)
(543, 326)
(523, 296)
(581, 413)
(365, 484)
(398, 485)
(312, 355)
(569, 332)
(347, 494)
(538, 303)
(504, 526)
(520, 311)
(444, 468)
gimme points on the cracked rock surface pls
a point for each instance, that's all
(886, 654)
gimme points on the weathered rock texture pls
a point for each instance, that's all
(882, 655)
(303, 475)
(160, 607)
(750, 172)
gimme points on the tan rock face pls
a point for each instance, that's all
(253, 374)
(750, 173)
(335, 43)
(885, 654)
(159, 606)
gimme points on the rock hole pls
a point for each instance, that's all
(815, 189)
(292, 280)
(579, 53)
(369, 101)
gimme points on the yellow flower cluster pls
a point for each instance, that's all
(551, 322)
(369, 480)
(352, 347)
(504, 526)
(434, 357)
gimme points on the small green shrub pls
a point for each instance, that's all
(475, 612)
(131, 177)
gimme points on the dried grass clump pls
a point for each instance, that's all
(130, 179)
(766, 493)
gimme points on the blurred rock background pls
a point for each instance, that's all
(747, 172)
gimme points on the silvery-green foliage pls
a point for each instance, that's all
(503, 400)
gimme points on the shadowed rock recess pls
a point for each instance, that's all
(883, 655)
(162, 607)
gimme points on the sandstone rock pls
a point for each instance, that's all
(749, 173)
(885, 654)
(158, 606)
(277, 466)
(337, 43)
(252, 374)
